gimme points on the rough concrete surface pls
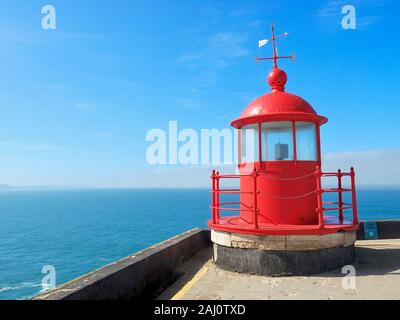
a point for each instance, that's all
(377, 269)
(291, 243)
(282, 262)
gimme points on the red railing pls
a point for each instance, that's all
(217, 206)
(341, 206)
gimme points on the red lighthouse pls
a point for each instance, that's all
(282, 213)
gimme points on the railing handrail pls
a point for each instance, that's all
(335, 174)
(231, 176)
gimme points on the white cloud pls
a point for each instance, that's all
(124, 86)
(37, 147)
(188, 102)
(107, 136)
(190, 177)
(367, 21)
(331, 12)
(10, 143)
(10, 35)
(373, 168)
(227, 46)
(85, 107)
(80, 36)
(103, 135)
(189, 57)
(207, 57)
(217, 51)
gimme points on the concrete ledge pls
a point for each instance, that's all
(387, 229)
(292, 243)
(143, 274)
(282, 263)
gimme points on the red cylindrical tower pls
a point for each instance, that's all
(279, 134)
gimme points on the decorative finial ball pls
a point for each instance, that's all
(277, 79)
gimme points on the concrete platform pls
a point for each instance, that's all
(377, 277)
(283, 255)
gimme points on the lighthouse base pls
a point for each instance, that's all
(283, 255)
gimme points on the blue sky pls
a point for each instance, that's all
(77, 102)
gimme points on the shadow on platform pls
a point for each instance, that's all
(186, 272)
(374, 261)
(371, 260)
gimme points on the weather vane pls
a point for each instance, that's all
(275, 57)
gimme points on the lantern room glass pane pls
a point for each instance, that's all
(277, 141)
(249, 143)
(306, 141)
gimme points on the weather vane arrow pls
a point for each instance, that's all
(275, 56)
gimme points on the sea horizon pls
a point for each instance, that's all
(77, 188)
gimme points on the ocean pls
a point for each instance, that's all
(78, 231)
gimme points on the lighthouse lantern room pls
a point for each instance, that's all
(283, 210)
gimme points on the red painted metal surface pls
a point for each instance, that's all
(286, 193)
(282, 197)
(278, 106)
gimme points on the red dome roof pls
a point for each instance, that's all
(277, 102)
(278, 105)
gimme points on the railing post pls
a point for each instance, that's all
(318, 174)
(239, 137)
(213, 197)
(218, 212)
(340, 196)
(354, 197)
(255, 205)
